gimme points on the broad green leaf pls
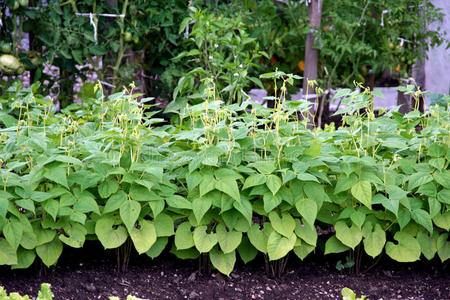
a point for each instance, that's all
(344, 183)
(254, 180)
(284, 225)
(57, 173)
(245, 208)
(8, 255)
(442, 220)
(333, 245)
(13, 231)
(362, 191)
(157, 247)
(307, 208)
(257, 238)
(190, 253)
(157, 207)
(50, 252)
(229, 186)
(306, 232)
(428, 189)
(107, 188)
(228, 240)
(203, 241)
(85, 202)
(279, 246)
(444, 196)
(183, 236)
(407, 249)
(43, 236)
(404, 217)
(193, 180)
(177, 201)
(436, 150)
(273, 182)
(224, 262)
(74, 236)
(314, 149)
(349, 236)
(208, 184)
(51, 206)
(246, 250)
(307, 177)
(129, 213)
(270, 201)
(423, 218)
(265, 167)
(28, 241)
(418, 179)
(443, 178)
(443, 247)
(303, 250)
(25, 259)
(374, 239)
(200, 206)
(434, 206)
(164, 225)
(358, 217)
(109, 236)
(316, 192)
(144, 237)
(428, 243)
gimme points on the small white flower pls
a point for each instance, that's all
(210, 57)
(241, 66)
(216, 46)
(236, 74)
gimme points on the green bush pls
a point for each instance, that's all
(224, 180)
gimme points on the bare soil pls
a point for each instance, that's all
(90, 273)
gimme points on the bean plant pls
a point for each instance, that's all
(224, 181)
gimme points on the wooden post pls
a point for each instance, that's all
(311, 54)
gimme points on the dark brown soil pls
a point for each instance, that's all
(91, 274)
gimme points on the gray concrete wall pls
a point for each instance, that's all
(437, 67)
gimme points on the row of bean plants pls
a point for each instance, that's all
(221, 181)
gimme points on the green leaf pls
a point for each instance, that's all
(436, 150)
(203, 241)
(50, 252)
(389, 204)
(428, 243)
(157, 247)
(333, 245)
(109, 236)
(177, 201)
(57, 173)
(418, 179)
(246, 250)
(8, 255)
(25, 259)
(279, 246)
(224, 262)
(115, 202)
(307, 177)
(444, 196)
(164, 225)
(362, 191)
(442, 220)
(273, 183)
(228, 240)
(284, 225)
(144, 237)
(270, 201)
(307, 232)
(245, 208)
(407, 249)
(443, 247)
(443, 178)
(264, 167)
(307, 208)
(183, 236)
(314, 149)
(374, 239)
(434, 206)
(200, 207)
(349, 236)
(13, 231)
(423, 218)
(129, 213)
(51, 206)
(254, 180)
(29, 240)
(107, 188)
(303, 250)
(85, 202)
(229, 186)
(344, 183)
(257, 238)
(208, 184)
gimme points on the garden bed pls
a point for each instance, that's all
(90, 273)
